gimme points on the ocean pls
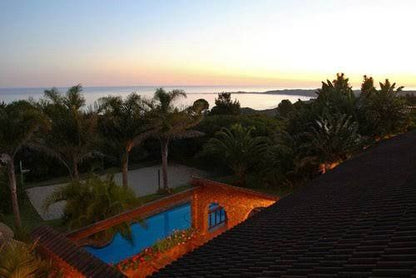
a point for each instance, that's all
(253, 97)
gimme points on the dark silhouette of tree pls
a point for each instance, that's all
(124, 125)
(238, 148)
(367, 87)
(384, 111)
(72, 138)
(332, 139)
(173, 123)
(337, 97)
(225, 106)
(19, 122)
(284, 108)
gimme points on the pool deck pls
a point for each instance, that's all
(143, 181)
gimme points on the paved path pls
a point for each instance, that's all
(143, 181)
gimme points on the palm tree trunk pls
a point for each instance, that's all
(13, 191)
(164, 147)
(75, 169)
(125, 168)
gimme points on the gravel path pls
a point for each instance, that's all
(143, 181)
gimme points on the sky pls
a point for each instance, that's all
(285, 44)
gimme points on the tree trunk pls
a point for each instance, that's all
(125, 168)
(13, 191)
(164, 147)
(75, 169)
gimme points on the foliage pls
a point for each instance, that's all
(124, 125)
(238, 148)
(284, 108)
(93, 200)
(22, 234)
(302, 135)
(337, 97)
(18, 259)
(225, 106)
(176, 238)
(19, 121)
(161, 246)
(72, 138)
(173, 123)
(263, 124)
(332, 139)
(383, 111)
(332, 127)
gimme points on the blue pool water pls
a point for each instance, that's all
(156, 227)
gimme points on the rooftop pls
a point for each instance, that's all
(80, 262)
(358, 220)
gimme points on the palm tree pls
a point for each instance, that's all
(19, 259)
(238, 148)
(93, 200)
(125, 125)
(331, 140)
(174, 123)
(337, 96)
(73, 129)
(384, 111)
(19, 121)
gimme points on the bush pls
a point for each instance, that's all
(18, 259)
(93, 200)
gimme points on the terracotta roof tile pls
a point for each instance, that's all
(75, 256)
(358, 220)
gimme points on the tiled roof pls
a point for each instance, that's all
(78, 258)
(358, 220)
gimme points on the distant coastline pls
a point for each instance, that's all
(257, 98)
(303, 92)
(288, 92)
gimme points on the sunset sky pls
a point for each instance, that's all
(286, 44)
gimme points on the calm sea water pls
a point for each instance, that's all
(254, 100)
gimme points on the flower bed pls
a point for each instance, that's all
(175, 239)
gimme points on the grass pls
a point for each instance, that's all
(30, 217)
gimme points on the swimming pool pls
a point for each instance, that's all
(156, 227)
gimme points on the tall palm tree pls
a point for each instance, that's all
(173, 122)
(125, 125)
(238, 148)
(73, 129)
(19, 122)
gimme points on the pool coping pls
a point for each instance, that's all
(143, 211)
(178, 205)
